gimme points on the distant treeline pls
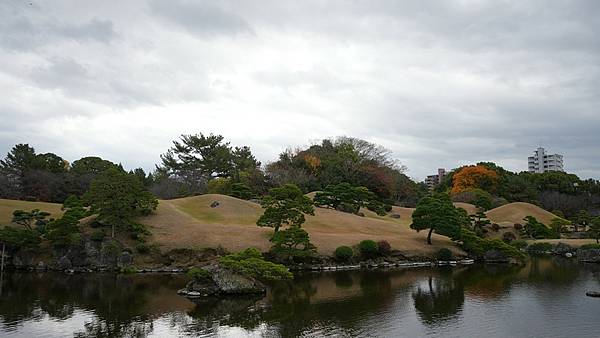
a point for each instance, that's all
(197, 164)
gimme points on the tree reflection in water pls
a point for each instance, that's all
(441, 299)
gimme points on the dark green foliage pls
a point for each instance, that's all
(384, 248)
(199, 274)
(478, 246)
(437, 213)
(444, 254)
(117, 198)
(19, 238)
(62, 232)
(285, 206)
(143, 248)
(540, 248)
(348, 198)
(537, 230)
(26, 218)
(590, 247)
(343, 253)
(368, 248)
(72, 202)
(197, 159)
(594, 231)
(480, 220)
(251, 263)
(241, 191)
(292, 243)
(519, 244)
(97, 235)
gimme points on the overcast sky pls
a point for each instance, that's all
(440, 83)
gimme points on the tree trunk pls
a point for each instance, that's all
(113, 231)
(429, 236)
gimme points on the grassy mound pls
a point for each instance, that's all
(515, 212)
(192, 223)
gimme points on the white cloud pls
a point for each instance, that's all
(441, 83)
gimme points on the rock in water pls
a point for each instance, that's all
(562, 248)
(592, 294)
(222, 282)
(495, 256)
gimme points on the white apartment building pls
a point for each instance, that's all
(542, 162)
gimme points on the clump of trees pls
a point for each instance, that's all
(346, 160)
(117, 198)
(345, 197)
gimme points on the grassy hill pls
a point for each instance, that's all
(192, 223)
(8, 206)
(515, 212)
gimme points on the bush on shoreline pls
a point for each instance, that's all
(343, 253)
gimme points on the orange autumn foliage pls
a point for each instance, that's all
(474, 177)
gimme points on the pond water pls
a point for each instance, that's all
(545, 298)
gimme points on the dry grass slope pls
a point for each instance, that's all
(515, 212)
(469, 208)
(190, 222)
(8, 206)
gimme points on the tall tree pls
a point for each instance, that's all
(437, 213)
(118, 197)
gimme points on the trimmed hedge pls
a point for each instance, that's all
(444, 255)
(343, 253)
(368, 248)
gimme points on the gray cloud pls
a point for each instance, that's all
(440, 83)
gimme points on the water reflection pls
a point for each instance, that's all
(357, 303)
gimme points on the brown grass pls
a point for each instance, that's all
(8, 206)
(469, 208)
(190, 222)
(515, 212)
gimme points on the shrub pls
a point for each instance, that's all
(347, 207)
(97, 235)
(444, 254)
(19, 238)
(384, 247)
(589, 246)
(534, 229)
(368, 248)
(387, 207)
(495, 227)
(142, 248)
(508, 237)
(251, 263)
(518, 226)
(241, 191)
(128, 270)
(539, 247)
(198, 274)
(343, 253)
(478, 246)
(519, 244)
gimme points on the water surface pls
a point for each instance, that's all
(545, 298)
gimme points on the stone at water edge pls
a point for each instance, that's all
(222, 282)
(594, 294)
